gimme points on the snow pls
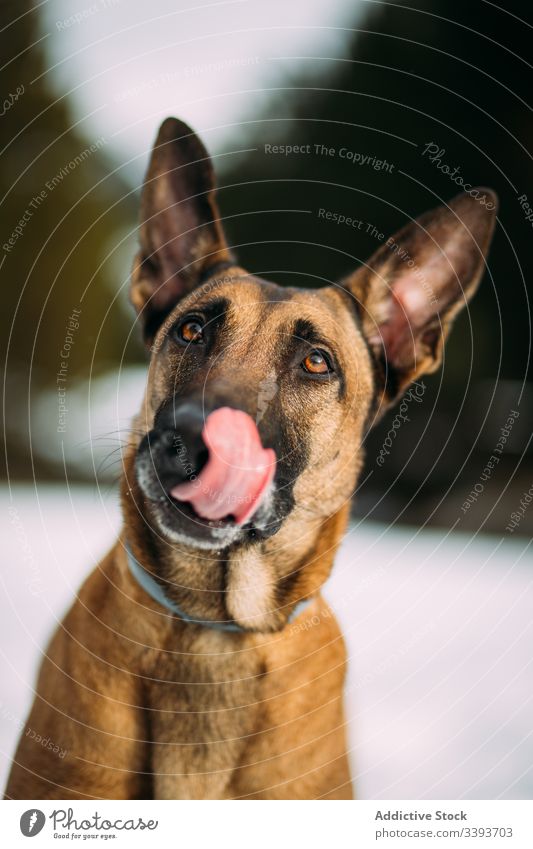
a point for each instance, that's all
(438, 629)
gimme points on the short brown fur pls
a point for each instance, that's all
(146, 705)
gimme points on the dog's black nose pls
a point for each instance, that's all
(180, 433)
(186, 423)
(175, 448)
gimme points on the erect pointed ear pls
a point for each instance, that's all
(180, 231)
(412, 288)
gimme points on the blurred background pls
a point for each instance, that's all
(378, 82)
(396, 102)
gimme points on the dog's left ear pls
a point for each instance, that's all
(412, 288)
(180, 231)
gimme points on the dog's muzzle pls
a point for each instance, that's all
(213, 468)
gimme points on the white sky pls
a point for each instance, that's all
(127, 64)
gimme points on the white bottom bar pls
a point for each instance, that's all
(264, 825)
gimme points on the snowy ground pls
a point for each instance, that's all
(439, 632)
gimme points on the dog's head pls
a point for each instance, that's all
(259, 396)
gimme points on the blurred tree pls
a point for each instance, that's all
(61, 207)
(456, 76)
(425, 88)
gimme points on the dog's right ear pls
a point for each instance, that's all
(180, 231)
(411, 289)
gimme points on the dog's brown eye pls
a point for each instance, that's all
(317, 362)
(191, 331)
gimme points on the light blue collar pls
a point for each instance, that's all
(156, 591)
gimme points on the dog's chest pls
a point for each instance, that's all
(203, 705)
(233, 717)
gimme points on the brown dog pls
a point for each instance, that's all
(177, 673)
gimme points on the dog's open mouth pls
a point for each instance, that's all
(186, 511)
(237, 475)
(215, 485)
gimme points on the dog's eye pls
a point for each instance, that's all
(190, 331)
(317, 362)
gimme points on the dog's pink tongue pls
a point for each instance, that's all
(237, 473)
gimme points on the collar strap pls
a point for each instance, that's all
(156, 591)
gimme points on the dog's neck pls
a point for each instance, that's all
(256, 587)
(154, 589)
